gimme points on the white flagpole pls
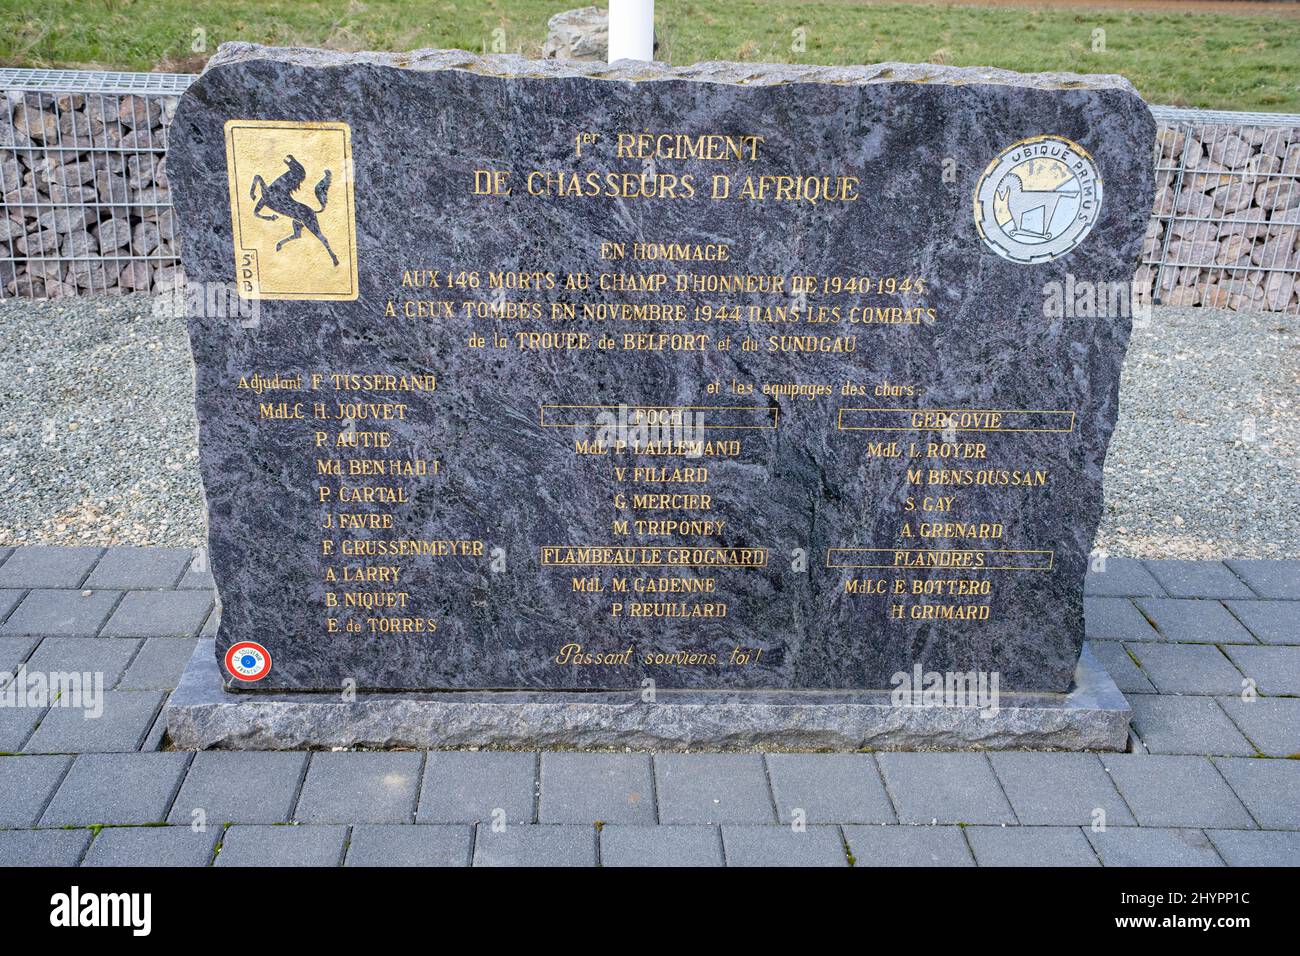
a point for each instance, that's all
(631, 30)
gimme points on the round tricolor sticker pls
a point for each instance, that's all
(248, 661)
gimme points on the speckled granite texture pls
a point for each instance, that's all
(1093, 716)
(918, 138)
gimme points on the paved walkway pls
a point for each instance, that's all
(1207, 652)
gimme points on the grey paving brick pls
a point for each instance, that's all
(1119, 664)
(198, 575)
(1121, 577)
(240, 787)
(4, 553)
(17, 725)
(535, 845)
(352, 787)
(908, 846)
(152, 846)
(1275, 669)
(1271, 723)
(158, 665)
(1270, 789)
(1030, 846)
(1198, 579)
(42, 847)
(9, 599)
(13, 652)
(1153, 846)
(663, 845)
(62, 613)
(1059, 789)
(104, 661)
(783, 846)
(1186, 725)
(944, 788)
(1257, 847)
(290, 846)
(380, 844)
(1172, 791)
(465, 787)
(1197, 621)
(1273, 622)
(154, 740)
(159, 614)
(585, 788)
(1269, 579)
(26, 785)
(1115, 619)
(48, 567)
(1188, 668)
(84, 655)
(125, 568)
(116, 788)
(829, 788)
(122, 726)
(713, 788)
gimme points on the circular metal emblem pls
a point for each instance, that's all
(1038, 199)
(248, 660)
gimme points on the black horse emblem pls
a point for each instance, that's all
(278, 197)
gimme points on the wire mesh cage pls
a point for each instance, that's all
(85, 208)
(84, 203)
(1225, 231)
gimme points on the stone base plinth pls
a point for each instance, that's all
(202, 715)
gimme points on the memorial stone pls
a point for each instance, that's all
(557, 376)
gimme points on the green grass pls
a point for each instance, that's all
(1245, 62)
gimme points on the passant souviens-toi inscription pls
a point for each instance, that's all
(548, 375)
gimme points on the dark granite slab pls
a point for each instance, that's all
(797, 495)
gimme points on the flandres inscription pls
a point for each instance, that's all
(728, 376)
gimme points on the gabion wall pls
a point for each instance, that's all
(1225, 231)
(84, 205)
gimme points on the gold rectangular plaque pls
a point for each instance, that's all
(292, 210)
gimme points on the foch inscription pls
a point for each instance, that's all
(565, 381)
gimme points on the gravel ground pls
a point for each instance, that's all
(98, 432)
(98, 441)
(1205, 461)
